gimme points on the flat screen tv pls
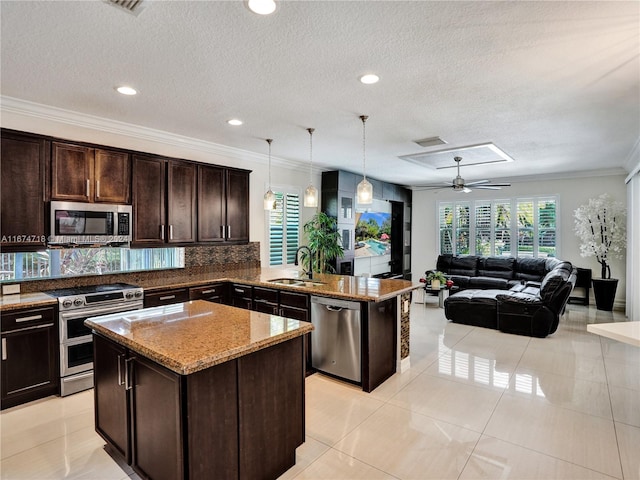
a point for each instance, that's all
(373, 231)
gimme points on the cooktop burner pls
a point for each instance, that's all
(88, 290)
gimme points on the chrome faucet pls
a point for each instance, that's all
(310, 271)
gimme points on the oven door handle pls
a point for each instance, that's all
(94, 312)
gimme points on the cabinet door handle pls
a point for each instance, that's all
(4, 349)
(97, 188)
(128, 384)
(161, 232)
(228, 231)
(28, 319)
(88, 187)
(120, 380)
(167, 297)
(222, 231)
(206, 292)
(238, 290)
(171, 232)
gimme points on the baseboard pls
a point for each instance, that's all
(403, 365)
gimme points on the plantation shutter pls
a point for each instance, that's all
(292, 223)
(284, 228)
(525, 228)
(483, 228)
(502, 227)
(462, 229)
(546, 228)
(445, 222)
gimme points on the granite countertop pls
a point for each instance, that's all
(26, 300)
(192, 336)
(366, 289)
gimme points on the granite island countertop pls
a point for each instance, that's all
(367, 289)
(193, 336)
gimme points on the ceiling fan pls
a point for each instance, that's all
(459, 185)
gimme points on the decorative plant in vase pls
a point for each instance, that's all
(601, 227)
(324, 242)
(436, 278)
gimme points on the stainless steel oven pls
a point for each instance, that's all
(76, 341)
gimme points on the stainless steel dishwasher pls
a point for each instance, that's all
(336, 340)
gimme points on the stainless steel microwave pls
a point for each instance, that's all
(74, 223)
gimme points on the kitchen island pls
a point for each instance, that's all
(200, 390)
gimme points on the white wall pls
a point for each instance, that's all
(281, 172)
(571, 194)
(633, 235)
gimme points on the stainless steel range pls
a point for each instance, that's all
(75, 305)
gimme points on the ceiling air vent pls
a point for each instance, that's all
(132, 6)
(430, 142)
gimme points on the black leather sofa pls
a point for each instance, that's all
(524, 296)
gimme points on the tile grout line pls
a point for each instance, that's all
(613, 418)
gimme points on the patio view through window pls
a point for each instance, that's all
(73, 262)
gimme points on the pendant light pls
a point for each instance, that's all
(365, 189)
(269, 197)
(311, 192)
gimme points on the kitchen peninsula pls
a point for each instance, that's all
(200, 390)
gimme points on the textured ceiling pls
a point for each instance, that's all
(556, 85)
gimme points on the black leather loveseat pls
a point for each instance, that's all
(525, 296)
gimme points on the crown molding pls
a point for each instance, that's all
(68, 117)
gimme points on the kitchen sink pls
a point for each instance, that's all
(295, 282)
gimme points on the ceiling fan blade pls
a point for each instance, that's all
(466, 190)
(500, 184)
(478, 182)
(487, 187)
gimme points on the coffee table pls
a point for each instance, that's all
(442, 293)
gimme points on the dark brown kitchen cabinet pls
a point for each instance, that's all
(148, 200)
(30, 365)
(181, 202)
(216, 293)
(241, 296)
(112, 408)
(166, 297)
(85, 174)
(24, 161)
(159, 182)
(138, 410)
(241, 419)
(265, 300)
(223, 204)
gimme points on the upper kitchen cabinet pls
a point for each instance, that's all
(223, 204)
(158, 182)
(84, 174)
(23, 162)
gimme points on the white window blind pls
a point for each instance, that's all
(546, 227)
(483, 229)
(526, 221)
(462, 222)
(284, 229)
(502, 227)
(445, 215)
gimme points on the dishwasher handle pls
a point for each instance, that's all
(332, 308)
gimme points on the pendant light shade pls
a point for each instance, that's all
(269, 197)
(364, 193)
(311, 192)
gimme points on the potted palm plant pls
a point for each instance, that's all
(601, 226)
(324, 242)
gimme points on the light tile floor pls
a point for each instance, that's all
(475, 404)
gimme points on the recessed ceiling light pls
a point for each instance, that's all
(124, 90)
(234, 122)
(369, 79)
(262, 7)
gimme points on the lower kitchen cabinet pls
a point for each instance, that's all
(30, 356)
(166, 297)
(241, 296)
(241, 419)
(216, 293)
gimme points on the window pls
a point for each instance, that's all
(73, 262)
(492, 226)
(284, 229)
